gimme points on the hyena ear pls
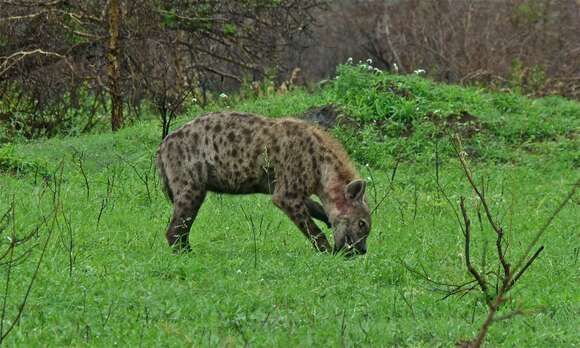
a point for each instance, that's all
(355, 190)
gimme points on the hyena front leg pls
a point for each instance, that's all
(317, 211)
(185, 208)
(298, 213)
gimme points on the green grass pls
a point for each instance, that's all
(266, 286)
(396, 116)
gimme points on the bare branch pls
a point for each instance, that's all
(528, 264)
(480, 280)
(10, 61)
(19, 18)
(32, 3)
(547, 224)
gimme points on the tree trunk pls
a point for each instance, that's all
(114, 58)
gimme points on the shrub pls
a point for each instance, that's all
(11, 163)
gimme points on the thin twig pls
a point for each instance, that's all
(480, 280)
(548, 222)
(34, 275)
(82, 170)
(528, 264)
(390, 188)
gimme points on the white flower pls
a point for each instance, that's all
(349, 60)
(223, 96)
(395, 67)
(369, 61)
(419, 71)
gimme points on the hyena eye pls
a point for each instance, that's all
(362, 224)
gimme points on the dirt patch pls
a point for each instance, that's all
(464, 123)
(393, 88)
(328, 116)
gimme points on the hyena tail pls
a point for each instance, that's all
(164, 180)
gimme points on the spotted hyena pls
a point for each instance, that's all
(241, 153)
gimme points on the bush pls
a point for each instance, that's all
(10, 163)
(73, 115)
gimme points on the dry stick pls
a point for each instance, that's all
(456, 288)
(408, 305)
(415, 201)
(473, 312)
(441, 190)
(437, 163)
(528, 264)
(143, 177)
(70, 246)
(547, 224)
(34, 275)
(462, 290)
(393, 174)
(498, 229)
(103, 206)
(480, 280)
(509, 315)
(8, 62)
(8, 273)
(105, 201)
(153, 170)
(82, 170)
(488, 321)
(508, 280)
(19, 259)
(496, 303)
(17, 242)
(105, 319)
(5, 216)
(484, 253)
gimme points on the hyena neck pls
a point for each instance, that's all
(331, 194)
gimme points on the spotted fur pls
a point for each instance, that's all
(241, 153)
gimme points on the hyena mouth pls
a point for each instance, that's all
(349, 243)
(354, 246)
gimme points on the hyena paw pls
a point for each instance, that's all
(181, 249)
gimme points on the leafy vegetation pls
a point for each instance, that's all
(108, 277)
(12, 164)
(404, 116)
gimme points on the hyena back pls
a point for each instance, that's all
(240, 153)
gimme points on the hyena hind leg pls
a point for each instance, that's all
(298, 213)
(185, 208)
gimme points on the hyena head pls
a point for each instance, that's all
(353, 223)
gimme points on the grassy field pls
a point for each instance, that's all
(109, 279)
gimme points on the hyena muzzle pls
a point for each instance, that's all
(240, 153)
